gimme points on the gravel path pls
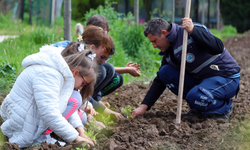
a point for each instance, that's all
(3, 37)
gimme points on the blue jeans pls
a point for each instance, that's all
(209, 96)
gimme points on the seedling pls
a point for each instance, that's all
(115, 94)
(91, 134)
(83, 146)
(106, 120)
(127, 111)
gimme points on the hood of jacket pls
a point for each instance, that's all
(49, 56)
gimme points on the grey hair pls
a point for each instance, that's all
(156, 25)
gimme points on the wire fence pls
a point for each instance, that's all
(36, 12)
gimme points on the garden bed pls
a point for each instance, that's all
(156, 129)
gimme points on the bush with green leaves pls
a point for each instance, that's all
(107, 11)
(132, 38)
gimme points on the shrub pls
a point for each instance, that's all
(107, 11)
(132, 38)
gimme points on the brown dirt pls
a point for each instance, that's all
(156, 129)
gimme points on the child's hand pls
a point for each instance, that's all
(106, 104)
(130, 64)
(100, 125)
(89, 141)
(91, 110)
(117, 115)
(84, 136)
(133, 69)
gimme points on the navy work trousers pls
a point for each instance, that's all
(209, 96)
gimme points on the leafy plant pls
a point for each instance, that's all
(7, 69)
(91, 134)
(7, 76)
(92, 124)
(106, 120)
(127, 111)
(83, 146)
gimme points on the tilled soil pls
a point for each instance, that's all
(156, 129)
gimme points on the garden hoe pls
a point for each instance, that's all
(182, 71)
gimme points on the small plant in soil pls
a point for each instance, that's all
(83, 146)
(106, 120)
(127, 111)
(91, 134)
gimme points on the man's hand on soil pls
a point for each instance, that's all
(139, 111)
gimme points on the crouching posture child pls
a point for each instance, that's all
(45, 96)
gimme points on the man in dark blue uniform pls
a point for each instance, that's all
(211, 75)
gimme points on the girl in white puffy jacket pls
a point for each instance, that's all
(86, 110)
(45, 96)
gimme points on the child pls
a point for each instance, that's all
(79, 29)
(41, 95)
(102, 43)
(110, 78)
(86, 111)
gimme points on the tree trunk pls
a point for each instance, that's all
(173, 11)
(218, 14)
(136, 11)
(208, 14)
(67, 20)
